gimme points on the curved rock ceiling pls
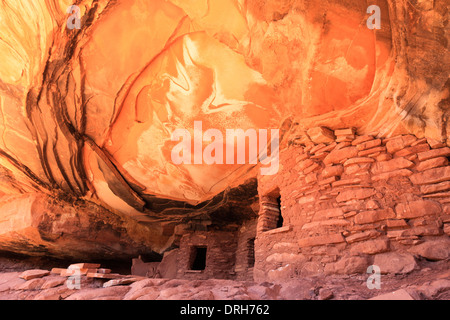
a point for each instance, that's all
(89, 112)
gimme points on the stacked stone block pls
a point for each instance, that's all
(347, 195)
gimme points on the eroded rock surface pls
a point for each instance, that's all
(87, 114)
(421, 285)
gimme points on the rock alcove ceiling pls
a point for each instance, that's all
(87, 114)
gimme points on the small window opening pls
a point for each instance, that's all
(280, 217)
(251, 252)
(271, 216)
(198, 258)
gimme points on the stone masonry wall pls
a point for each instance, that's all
(220, 255)
(229, 254)
(245, 253)
(350, 201)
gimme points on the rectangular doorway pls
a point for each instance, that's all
(198, 258)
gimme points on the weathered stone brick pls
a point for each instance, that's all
(372, 205)
(361, 236)
(418, 208)
(302, 157)
(383, 157)
(327, 180)
(336, 170)
(446, 217)
(447, 229)
(443, 195)
(394, 234)
(412, 150)
(84, 266)
(311, 168)
(104, 275)
(353, 205)
(369, 144)
(429, 176)
(347, 138)
(337, 156)
(306, 199)
(371, 151)
(393, 262)
(348, 265)
(434, 153)
(321, 135)
(321, 240)
(357, 168)
(328, 213)
(305, 164)
(424, 231)
(33, 274)
(362, 139)
(346, 182)
(319, 156)
(328, 148)
(310, 178)
(433, 250)
(419, 141)
(391, 165)
(411, 157)
(317, 148)
(362, 193)
(323, 223)
(374, 216)
(345, 132)
(370, 247)
(389, 175)
(432, 163)
(358, 160)
(434, 144)
(374, 155)
(397, 223)
(423, 221)
(400, 143)
(431, 188)
(342, 145)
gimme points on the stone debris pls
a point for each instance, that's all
(396, 263)
(32, 274)
(90, 270)
(432, 289)
(321, 134)
(103, 275)
(71, 272)
(57, 270)
(84, 266)
(103, 270)
(345, 132)
(122, 281)
(433, 250)
(395, 295)
(429, 283)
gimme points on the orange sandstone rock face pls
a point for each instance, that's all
(88, 113)
(35, 224)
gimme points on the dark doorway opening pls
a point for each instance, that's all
(271, 216)
(198, 258)
(280, 217)
(251, 252)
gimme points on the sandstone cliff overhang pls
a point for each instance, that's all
(87, 113)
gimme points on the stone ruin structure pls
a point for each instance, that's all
(349, 200)
(340, 203)
(87, 112)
